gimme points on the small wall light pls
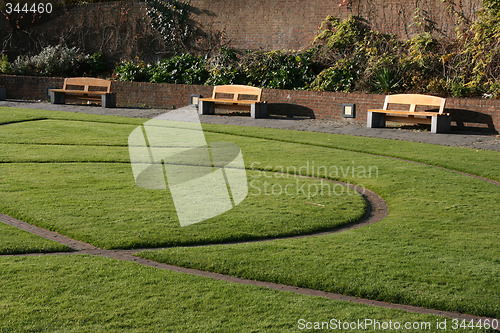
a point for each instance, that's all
(194, 100)
(348, 110)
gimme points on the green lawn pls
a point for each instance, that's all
(100, 204)
(13, 240)
(93, 294)
(74, 176)
(437, 248)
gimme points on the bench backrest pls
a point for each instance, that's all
(236, 90)
(415, 99)
(87, 82)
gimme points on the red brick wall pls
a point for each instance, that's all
(29, 87)
(476, 112)
(292, 24)
(121, 29)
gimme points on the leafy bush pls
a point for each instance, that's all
(278, 70)
(57, 60)
(493, 90)
(130, 71)
(224, 75)
(386, 80)
(184, 68)
(5, 65)
(341, 36)
(52, 61)
(97, 64)
(224, 68)
(340, 77)
(265, 69)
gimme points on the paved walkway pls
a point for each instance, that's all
(470, 140)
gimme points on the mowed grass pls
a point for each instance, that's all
(482, 163)
(13, 240)
(100, 204)
(74, 177)
(437, 248)
(78, 293)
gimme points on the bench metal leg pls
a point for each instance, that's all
(259, 110)
(206, 107)
(375, 119)
(108, 100)
(440, 124)
(3, 93)
(56, 97)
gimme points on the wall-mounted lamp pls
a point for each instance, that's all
(348, 110)
(194, 100)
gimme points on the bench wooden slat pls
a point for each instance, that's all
(80, 92)
(258, 109)
(415, 99)
(237, 89)
(440, 121)
(424, 113)
(91, 90)
(231, 101)
(87, 82)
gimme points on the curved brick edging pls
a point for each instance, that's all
(298, 290)
(376, 210)
(128, 255)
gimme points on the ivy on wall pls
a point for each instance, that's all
(171, 20)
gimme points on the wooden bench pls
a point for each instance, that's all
(85, 88)
(235, 97)
(440, 122)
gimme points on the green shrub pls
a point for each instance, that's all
(278, 70)
(341, 36)
(386, 80)
(130, 71)
(224, 75)
(493, 90)
(56, 60)
(97, 64)
(421, 50)
(340, 77)
(224, 68)
(184, 68)
(458, 88)
(5, 65)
